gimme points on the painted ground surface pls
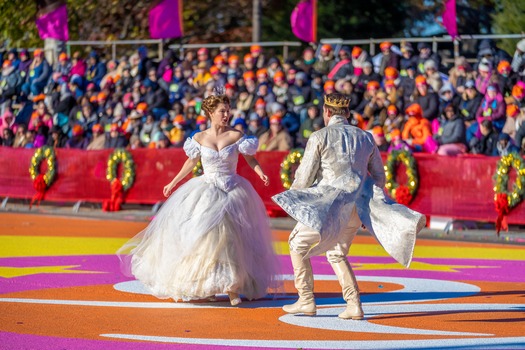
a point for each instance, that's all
(61, 288)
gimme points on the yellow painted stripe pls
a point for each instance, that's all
(436, 252)
(446, 252)
(20, 246)
(10, 272)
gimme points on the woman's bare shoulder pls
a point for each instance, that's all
(235, 134)
(199, 136)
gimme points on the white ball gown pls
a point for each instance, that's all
(211, 236)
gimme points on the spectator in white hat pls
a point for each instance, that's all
(518, 61)
(433, 76)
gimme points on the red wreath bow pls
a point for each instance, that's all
(403, 195)
(117, 197)
(40, 186)
(502, 208)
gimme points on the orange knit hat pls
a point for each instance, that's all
(329, 84)
(201, 120)
(378, 131)
(391, 73)
(392, 109)
(278, 75)
(255, 48)
(503, 65)
(396, 133)
(102, 96)
(39, 98)
(372, 85)
(260, 103)
(385, 45)
(219, 59)
(233, 58)
(179, 119)
(262, 73)
(390, 83)
(326, 48)
(421, 80)
(248, 75)
(518, 91)
(414, 110)
(142, 106)
(275, 119)
(356, 51)
(77, 130)
(97, 128)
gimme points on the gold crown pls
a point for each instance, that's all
(337, 101)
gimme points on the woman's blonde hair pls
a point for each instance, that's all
(210, 103)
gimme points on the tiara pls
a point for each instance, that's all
(219, 90)
(337, 102)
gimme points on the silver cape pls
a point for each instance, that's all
(342, 168)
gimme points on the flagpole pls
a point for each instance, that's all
(456, 47)
(314, 20)
(256, 21)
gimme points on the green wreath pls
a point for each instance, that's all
(517, 194)
(197, 169)
(293, 158)
(45, 153)
(123, 156)
(401, 193)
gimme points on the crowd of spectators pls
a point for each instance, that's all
(406, 97)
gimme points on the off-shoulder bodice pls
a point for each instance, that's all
(221, 166)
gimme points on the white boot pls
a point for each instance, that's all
(304, 283)
(348, 283)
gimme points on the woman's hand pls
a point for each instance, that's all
(265, 179)
(167, 189)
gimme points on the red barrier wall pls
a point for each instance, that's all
(459, 187)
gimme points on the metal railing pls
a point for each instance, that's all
(181, 47)
(372, 43)
(114, 44)
(284, 44)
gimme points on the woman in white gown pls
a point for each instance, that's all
(212, 235)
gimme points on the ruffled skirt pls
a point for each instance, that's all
(205, 241)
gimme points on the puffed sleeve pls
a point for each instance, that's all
(248, 145)
(192, 148)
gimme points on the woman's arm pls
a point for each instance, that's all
(184, 171)
(254, 164)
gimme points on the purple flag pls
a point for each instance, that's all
(53, 24)
(165, 20)
(449, 18)
(303, 20)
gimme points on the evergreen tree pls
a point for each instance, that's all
(509, 19)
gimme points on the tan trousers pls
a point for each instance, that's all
(302, 238)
